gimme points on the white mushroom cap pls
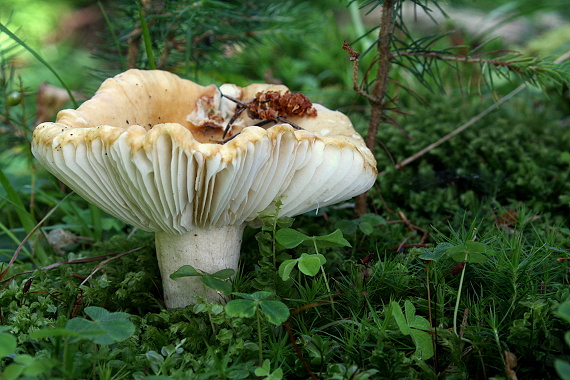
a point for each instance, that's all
(144, 150)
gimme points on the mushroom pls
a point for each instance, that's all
(146, 149)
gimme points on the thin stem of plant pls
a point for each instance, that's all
(429, 294)
(113, 35)
(296, 348)
(259, 340)
(325, 278)
(382, 72)
(146, 39)
(7, 31)
(430, 316)
(456, 310)
(466, 59)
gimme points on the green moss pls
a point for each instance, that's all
(513, 156)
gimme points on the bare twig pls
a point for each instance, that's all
(382, 72)
(461, 128)
(463, 59)
(102, 263)
(354, 59)
(473, 120)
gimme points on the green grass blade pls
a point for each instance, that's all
(146, 39)
(4, 29)
(26, 219)
(14, 238)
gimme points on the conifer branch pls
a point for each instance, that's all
(419, 58)
(532, 69)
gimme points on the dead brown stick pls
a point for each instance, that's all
(461, 128)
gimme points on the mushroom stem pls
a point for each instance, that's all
(205, 250)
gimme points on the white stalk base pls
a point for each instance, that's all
(205, 250)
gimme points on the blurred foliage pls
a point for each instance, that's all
(34, 19)
(553, 42)
(188, 39)
(48, 35)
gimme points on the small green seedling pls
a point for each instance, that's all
(258, 304)
(265, 371)
(217, 281)
(308, 264)
(275, 312)
(416, 326)
(470, 252)
(290, 238)
(161, 362)
(104, 328)
(366, 224)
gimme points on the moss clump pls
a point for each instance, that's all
(513, 156)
